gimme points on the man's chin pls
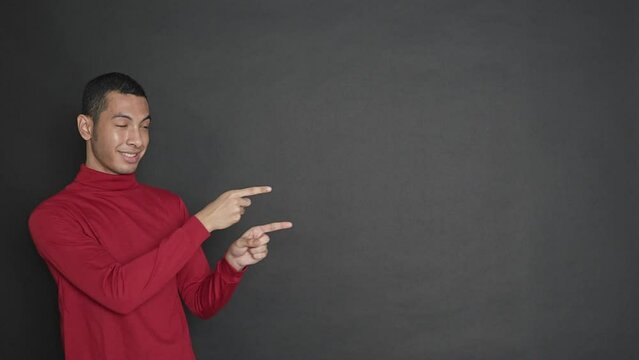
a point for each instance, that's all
(126, 169)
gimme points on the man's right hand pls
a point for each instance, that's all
(228, 208)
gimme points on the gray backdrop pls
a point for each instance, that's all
(462, 175)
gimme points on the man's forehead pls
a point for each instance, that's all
(112, 96)
(118, 102)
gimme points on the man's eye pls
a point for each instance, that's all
(122, 126)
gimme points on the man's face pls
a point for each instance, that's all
(121, 134)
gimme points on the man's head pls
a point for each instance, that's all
(115, 123)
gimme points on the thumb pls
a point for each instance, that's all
(247, 237)
(242, 242)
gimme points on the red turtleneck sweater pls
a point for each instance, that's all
(122, 254)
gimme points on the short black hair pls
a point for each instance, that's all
(94, 95)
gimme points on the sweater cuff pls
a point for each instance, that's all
(196, 230)
(228, 273)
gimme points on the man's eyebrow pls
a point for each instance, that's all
(148, 117)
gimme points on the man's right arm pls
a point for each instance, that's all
(84, 262)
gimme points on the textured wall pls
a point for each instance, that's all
(461, 174)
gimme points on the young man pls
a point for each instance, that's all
(124, 253)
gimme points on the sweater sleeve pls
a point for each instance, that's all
(205, 291)
(84, 262)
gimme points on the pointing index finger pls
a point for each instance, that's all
(275, 226)
(256, 190)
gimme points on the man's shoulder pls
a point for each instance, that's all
(61, 199)
(56, 206)
(70, 201)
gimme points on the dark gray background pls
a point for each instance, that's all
(461, 174)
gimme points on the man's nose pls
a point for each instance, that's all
(134, 138)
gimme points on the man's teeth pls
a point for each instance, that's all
(129, 155)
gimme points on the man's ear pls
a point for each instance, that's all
(85, 126)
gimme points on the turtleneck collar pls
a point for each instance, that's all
(103, 181)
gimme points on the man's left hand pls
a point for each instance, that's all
(252, 247)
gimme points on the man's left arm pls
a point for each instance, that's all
(205, 291)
